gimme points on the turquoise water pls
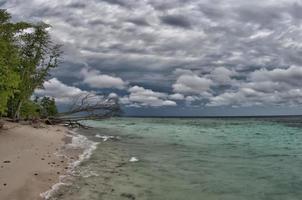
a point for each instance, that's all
(194, 159)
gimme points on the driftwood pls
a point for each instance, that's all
(87, 107)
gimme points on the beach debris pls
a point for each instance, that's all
(6, 161)
(133, 159)
(128, 196)
(4, 184)
(36, 174)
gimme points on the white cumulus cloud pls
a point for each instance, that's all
(140, 96)
(191, 84)
(61, 92)
(97, 80)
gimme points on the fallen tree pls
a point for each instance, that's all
(87, 107)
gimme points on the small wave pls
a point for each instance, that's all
(106, 137)
(78, 142)
(49, 193)
(82, 142)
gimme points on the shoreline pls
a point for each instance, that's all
(79, 147)
(34, 162)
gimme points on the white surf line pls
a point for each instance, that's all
(78, 141)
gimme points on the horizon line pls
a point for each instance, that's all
(213, 116)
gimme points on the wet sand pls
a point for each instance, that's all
(29, 164)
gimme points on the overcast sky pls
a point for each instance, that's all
(176, 57)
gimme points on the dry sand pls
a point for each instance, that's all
(28, 164)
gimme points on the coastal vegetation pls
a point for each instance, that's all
(27, 55)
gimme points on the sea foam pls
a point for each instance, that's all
(107, 137)
(78, 142)
(133, 159)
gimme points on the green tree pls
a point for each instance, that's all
(9, 57)
(38, 56)
(48, 106)
(30, 110)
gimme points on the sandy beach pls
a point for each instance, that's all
(28, 161)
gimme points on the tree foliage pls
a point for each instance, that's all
(27, 54)
(38, 56)
(30, 110)
(48, 107)
(9, 58)
(39, 108)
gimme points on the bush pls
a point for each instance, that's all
(30, 110)
(48, 106)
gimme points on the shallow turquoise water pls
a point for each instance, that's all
(219, 159)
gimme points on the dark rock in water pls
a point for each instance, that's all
(128, 196)
(6, 161)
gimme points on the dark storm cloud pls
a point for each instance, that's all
(160, 5)
(295, 10)
(178, 47)
(117, 2)
(2, 2)
(139, 22)
(77, 5)
(211, 11)
(176, 20)
(265, 16)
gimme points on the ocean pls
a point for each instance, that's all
(192, 159)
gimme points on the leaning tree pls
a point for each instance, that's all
(87, 106)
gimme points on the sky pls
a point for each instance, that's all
(176, 57)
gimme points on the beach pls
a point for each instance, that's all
(29, 160)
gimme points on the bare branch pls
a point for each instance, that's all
(89, 106)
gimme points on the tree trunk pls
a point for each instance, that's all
(16, 116)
